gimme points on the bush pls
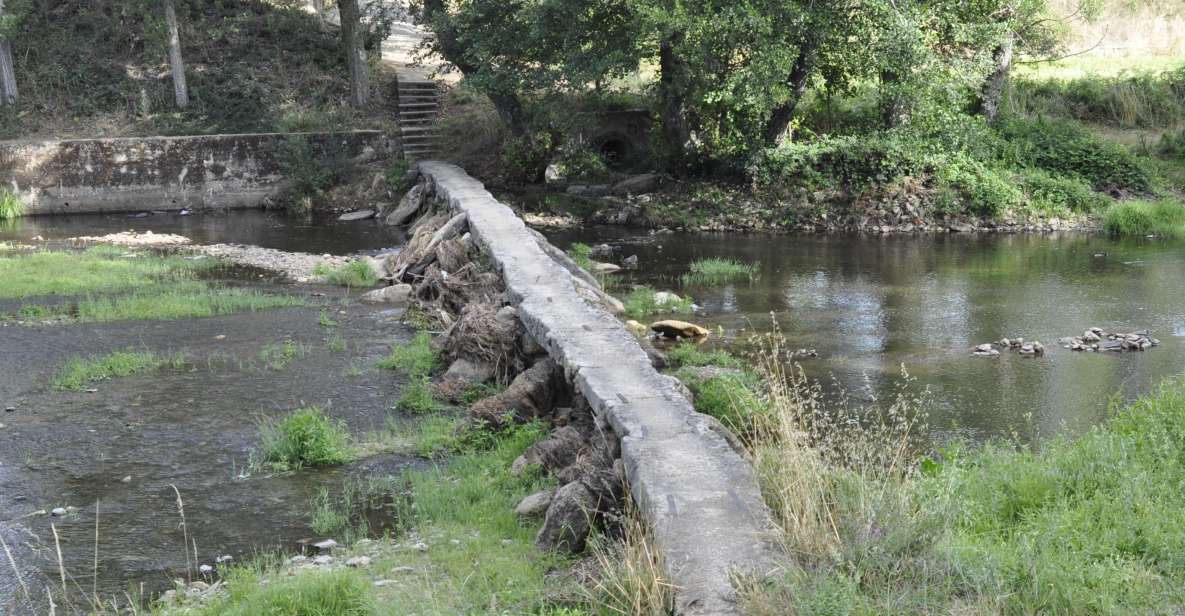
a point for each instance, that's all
(11, 206)
(1060, 195)
(852, 162)
(1065, 149)
(352, 274)
(305, 437)
(1164, 219)
(967, 185)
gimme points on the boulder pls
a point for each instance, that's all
(679, 329)
(469, 371)
(568, 520)
(398, 295)
(666, 298)
(644, 183)
(535, 504)
(356, 215)
(408, 206)
(636, 328)
(605, 268)
(530, 396)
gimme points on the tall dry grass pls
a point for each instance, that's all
(630, 577)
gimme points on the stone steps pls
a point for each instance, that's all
(419, 107)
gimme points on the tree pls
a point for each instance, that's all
(176, 63)
(353, 44)
(8, 90)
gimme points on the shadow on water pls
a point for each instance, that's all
(125, 445)
(869, 305)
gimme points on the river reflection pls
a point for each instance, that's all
(870, 305)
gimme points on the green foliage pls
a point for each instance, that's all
(732, 397)
(101, 269)
(79, 372)
(278, 356)
(353, 274)
(1164, 218)
(717, 271)
(305, 437)
(396, 174)
(691, 354)
(581, 164)
(1145, 99)
(1065, 149)
(1172, 144)
(418, 397)
(341, 592)
(309, 171)
(160, 303)
(417, 358)
(1061, 195)
(643, 302)
(11, 206)
(581, 255)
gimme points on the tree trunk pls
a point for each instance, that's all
(672, 90)
(319, 9)
(352, 43)
(777, 129)
(992, 92)
(895, 109)
(8, 93)
(180, 91)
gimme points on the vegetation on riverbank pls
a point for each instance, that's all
(304, 437)
(99, 68)
(1162, 219)
(354, 274)
(876, 525)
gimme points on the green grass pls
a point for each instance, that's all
(581, 255)
(732, 398)
(352, 274)
(80, 372)
(341, 592)
(641, 303)
(416, 358)
(305, 437)
(101, 269)
(186, 301)
(11, 206)
(708, 272)
(347, 513)
(1093, 525)
(1164, 219)
(692, 354)
(417, 397)
(280, 355)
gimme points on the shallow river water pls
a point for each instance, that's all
(870, 305)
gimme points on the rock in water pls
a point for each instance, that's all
(636, 328)
(398, 295)
(356, 215)
(408, 206)
(605, 268)
(679, 329)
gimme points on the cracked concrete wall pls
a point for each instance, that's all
(698, 493)
(162, 173)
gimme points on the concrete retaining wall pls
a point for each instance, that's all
(699, 494)
(163, 173)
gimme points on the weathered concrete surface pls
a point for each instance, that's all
(699, 494)
(163, 173)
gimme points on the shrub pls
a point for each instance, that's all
(1060, 195)
(11, 206)
(978, 188)
(719, 271)
(1065, 149)
(1165, 218)
(305, 437)
(353, 274)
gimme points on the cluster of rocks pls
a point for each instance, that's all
(1096, 340)
(443, 274)
(1026, 349)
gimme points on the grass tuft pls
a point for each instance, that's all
(691, 354)
(80, 372)
(305, 437)
(642, 302)
(11, 206)
(340, 592)
(417, 397)
(278, 356)
(352, 274)
(1163, 219)
(581, 255)
(416, 358)
(709, 272)
(630, 578)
